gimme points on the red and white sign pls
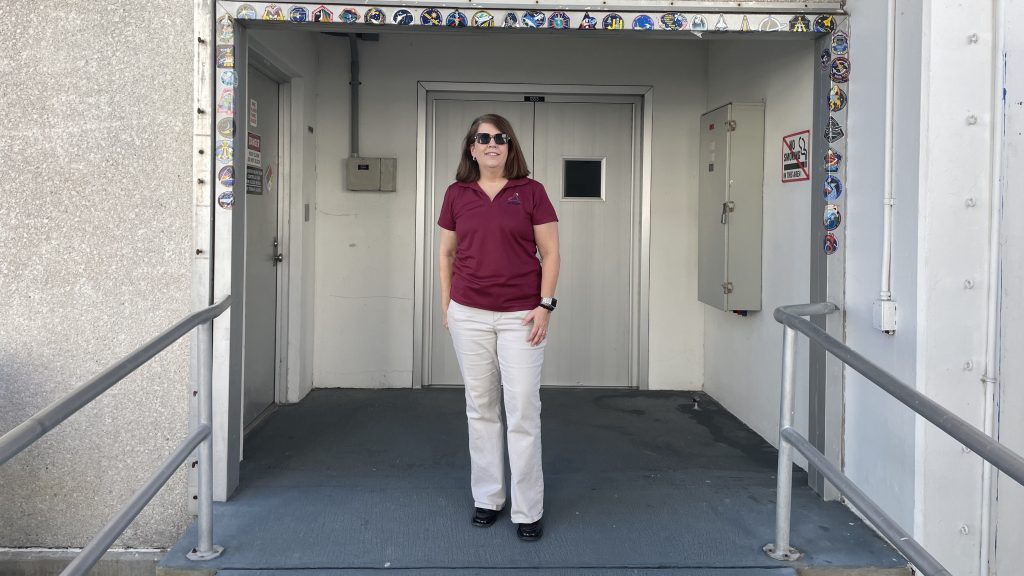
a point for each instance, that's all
(253, 153)
(795, 155)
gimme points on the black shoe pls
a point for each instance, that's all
(529, 532)
(483, 517)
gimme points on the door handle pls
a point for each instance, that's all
(727, 207)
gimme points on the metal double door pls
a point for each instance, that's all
(571, 147)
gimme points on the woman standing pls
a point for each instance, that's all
(496, 300)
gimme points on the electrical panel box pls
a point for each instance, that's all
(730, 207)
(371, 174)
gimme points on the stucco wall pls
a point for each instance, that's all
(96, 228)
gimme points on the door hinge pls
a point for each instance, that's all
(730, 126)
(727, 207)
(727, 288)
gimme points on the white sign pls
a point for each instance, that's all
(795, 156)
(253, 115)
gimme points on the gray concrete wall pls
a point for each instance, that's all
(96, 230)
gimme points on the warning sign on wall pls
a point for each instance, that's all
(794, 157)
(253, 151)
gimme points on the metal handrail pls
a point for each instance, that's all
(991, 451)
(21, 437)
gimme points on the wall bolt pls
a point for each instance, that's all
(201, 110)
(969, 365)
(199, 251)
(201, 151)
(972, 38)
(972, 120)
(201, 40)
(964, 530)
(968, 284)
(200, 181)
(970, 203)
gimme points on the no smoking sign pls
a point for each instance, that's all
(794, 157)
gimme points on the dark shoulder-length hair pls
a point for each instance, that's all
(515, 162)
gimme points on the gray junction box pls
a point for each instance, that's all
(731, 207)
(371, 174)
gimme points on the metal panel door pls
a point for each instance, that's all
(261, 206)
(451, 119)
(590, 339)
(712, 208)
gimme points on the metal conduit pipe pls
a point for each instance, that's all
(888, 198)
(990, 379)
(353, 44)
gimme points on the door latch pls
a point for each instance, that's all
(727, 207)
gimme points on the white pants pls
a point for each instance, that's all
(494, 356)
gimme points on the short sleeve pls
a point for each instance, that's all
(543, 211)
(446, 219)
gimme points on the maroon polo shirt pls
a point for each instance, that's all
(496, 265)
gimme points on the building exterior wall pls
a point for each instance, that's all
(366, 241)
(96, 224)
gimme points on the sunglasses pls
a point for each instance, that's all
(485, 138)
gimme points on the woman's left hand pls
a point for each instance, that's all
(539, 316)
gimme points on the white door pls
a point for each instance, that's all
(451, 120)
(591, 144)
(583, 154)
(261, 245)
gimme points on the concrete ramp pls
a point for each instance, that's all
(647, 483)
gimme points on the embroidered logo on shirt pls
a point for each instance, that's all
(514, 199)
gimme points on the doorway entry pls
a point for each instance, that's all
(263, 254)
(586, 150)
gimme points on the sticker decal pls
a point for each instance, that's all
(483, 19)
(770, 24)
(273, 12)
(323, 14)
(226, 176)
(840, 43)
(799, 23)
(643, 22)
(832, 217)
(559, 21)
(457, 19)
(229, 78)
(833, 188)
(613, 22)
(225, 151)
(225, 30)
(245, 12)
(402, 17)
(836, 99)
(826, 59)
(721, 25)
(832, 160)
(431, 17)
(534, 19)
(226, 200)
(226, 102)
(348, 16)
(825, 23)
(673, 21)
(226, 56)
(840, 70)
(830, 245)
(698, 23)
(511, 21)
(833, 131)
(226, 127)
(588, 22)
(375, 16)
(745, 24)
(298, 14)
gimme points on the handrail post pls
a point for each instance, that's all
(780, 549)
(206, 549)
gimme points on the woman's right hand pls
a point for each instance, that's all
(444, 317)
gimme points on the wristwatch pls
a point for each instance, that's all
(548, 303)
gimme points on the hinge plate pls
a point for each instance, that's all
(730, 126)
(727, 288)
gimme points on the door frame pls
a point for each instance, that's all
(639, 338)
